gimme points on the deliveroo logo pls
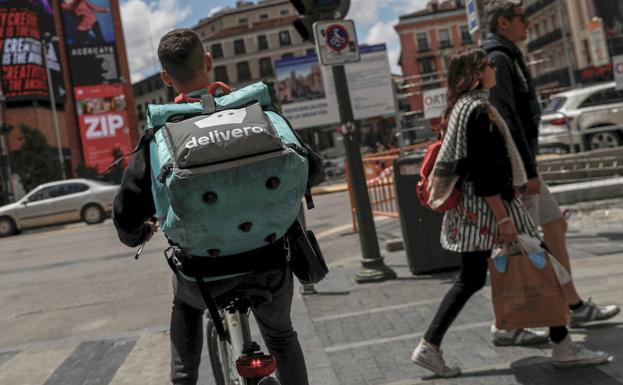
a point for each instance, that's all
(223, 117)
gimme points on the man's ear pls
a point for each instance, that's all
(166, 78)
(208, 62)
(502, 23)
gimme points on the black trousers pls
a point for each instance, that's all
(472, 278)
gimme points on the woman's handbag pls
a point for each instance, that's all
(526, 290)
(306, 259)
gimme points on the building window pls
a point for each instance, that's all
(244, 74)
(444, 38)
(262, 42)
(220, 74)
(284, 38)
(466, 37)
(239, 47)
(266, 67)
(287, 55)
(243, 20)
(427, 65)
(284, 12)
(264, 16)
(422, 42)
(217, 51)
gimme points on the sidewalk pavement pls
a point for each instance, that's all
(368, 331)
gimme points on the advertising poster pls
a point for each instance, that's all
(23, 76)
(307, 95)
(103, 123)
(90, 39)
(307, 98)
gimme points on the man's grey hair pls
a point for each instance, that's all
(494, 9)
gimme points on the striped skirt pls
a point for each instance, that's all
(471, 226)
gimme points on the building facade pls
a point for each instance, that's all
(79, 62)
(150, 90)
(571, 42)
(428, 38)
(245, 41)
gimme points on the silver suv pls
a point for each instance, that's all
(587, 118)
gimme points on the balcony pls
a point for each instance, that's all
(545, 40)
(423, 48)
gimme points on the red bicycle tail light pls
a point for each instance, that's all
(256, 365)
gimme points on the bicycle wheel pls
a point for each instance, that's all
(222, 375)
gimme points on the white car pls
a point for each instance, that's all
(587, 118)
(65, 201)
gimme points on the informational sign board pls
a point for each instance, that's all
(617, 69)
(336, 42)
(597, 43)
(471, 8)
(434, 102)
(307, 95)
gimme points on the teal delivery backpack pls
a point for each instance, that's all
(228, 173)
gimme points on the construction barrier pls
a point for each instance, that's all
(379, 172)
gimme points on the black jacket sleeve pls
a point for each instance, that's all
(488, 164)
(503, 99)
(134, 203)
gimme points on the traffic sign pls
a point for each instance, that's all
(471, 8)
(336, 42)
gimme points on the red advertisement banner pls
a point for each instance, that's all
(103, 123)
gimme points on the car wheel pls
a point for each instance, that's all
(7, 227)
(605, 139)
(92, 214)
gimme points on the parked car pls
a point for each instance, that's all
(586, 118)
(70, 200)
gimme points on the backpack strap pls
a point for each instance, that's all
(209, 105)
(208, 299)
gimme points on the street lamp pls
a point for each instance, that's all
(47, 39)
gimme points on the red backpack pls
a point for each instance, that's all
(422, 186)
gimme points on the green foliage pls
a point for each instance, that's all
(36, 161)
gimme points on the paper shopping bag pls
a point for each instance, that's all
(525, 290)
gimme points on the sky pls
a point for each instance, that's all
(145, 21)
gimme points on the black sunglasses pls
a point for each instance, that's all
(522, 16)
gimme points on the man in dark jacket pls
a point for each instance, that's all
(186, 68)
(515, 98)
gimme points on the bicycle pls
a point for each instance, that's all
(251, 365)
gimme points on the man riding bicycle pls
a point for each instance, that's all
(186, 67)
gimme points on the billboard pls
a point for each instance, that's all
(103, 121)
(307, 94)
(23, 76)
(90, 39)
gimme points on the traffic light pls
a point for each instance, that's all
(311, 11)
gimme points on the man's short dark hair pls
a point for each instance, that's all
(496, 8)
(181, 54)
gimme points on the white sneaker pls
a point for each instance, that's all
(519, 337)
(591, 312)
(431, 358)
(567, 353)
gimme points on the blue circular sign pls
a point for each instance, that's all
(337, 37)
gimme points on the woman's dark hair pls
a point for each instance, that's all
(462, 74)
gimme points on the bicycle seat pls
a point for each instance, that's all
(245, 296)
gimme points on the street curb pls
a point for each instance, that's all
(588, 191)
(328, 189)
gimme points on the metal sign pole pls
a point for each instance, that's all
(373, 267)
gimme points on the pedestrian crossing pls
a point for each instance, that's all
(127, 360)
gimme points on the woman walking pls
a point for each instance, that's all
(479, 156)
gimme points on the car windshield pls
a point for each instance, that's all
(554, 104)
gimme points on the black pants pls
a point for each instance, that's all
(472, 278)
(273, 319)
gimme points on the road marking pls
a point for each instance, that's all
(410, 336)
(33, 367)
(377, 310)
(147, 363)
